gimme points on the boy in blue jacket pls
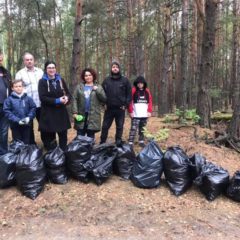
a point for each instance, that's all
(20, 110)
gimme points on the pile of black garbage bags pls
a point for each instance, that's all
(27, 167)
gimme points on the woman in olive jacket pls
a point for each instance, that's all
(88, 99)
(54, 96)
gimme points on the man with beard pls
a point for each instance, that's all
(118, 92)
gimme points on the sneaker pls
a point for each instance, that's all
(141, 144)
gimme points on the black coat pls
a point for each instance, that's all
(6, 78)
(54, 116)
(118, 91)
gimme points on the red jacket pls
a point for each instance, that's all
(141, 103)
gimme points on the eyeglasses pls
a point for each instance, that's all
(51, 67)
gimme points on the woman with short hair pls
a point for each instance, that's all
(88, 98)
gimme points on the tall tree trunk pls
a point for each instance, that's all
(193, 59)
(203, 100)
(131, 71)
(234, 126)
(41, 28)
(110, 28)
(75, 65)
(184, 55)
(10, 60)
(138, 42)
(235, 80)
(165, 70)
(62, 46)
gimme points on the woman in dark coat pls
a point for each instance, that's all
(54, 96)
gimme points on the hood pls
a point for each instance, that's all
(115, 62)
(57, 77)
(140, 79)
(15, 95)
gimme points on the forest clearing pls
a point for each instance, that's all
(189, 53)
(119, 210)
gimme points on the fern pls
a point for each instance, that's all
(160, 135)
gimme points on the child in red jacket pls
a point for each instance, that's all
(140, 109)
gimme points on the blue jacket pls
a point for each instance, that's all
(16, 108)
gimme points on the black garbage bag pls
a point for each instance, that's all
(176, 170)
(196, 163)
(30, 171)
(212, 181)
(16, 146)
(7, 170)
(123, 163)
(77, 153)
(100, 164)
(233, 190)
(55, 165)
(148, 168)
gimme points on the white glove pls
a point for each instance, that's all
(26, 120)
(21, 122)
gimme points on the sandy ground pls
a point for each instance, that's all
(119, 210)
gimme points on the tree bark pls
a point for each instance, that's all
(184, 56)
(10, 59)
(205, 77)
(193, 59)
(165, 70)
(75, 65)
(235, 80)
(41, 28)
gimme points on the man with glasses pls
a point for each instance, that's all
(30, 75)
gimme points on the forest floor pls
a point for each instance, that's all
(119, 210)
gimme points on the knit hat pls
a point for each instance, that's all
(116, 75)
(115, 62)
(140, 79)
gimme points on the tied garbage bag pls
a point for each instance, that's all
(196, 163)
(16, 146)
(100, 164)
(148, 168)
(233, 190)
(77, 153)
(123, 163)
(55, 165)
(7, 170)
(30, 171)
(176, 170)
(212, 181)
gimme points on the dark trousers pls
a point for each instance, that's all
(113, 114)
(137, 124)
(32, 136)
(4, 124)
(50, 141)
(85, 131)
(21, 133)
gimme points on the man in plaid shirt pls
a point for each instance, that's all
(30, 75)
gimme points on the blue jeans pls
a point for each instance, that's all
(4, 124)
